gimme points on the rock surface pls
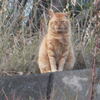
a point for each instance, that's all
(66, 85)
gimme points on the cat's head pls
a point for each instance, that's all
(59, 22)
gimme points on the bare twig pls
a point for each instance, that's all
(5, 94)
(92, 89)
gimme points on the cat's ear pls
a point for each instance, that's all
(51, 13)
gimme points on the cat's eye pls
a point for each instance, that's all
(63, 21)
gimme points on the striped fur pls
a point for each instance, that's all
(56, 50)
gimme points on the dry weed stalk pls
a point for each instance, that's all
(93, 83)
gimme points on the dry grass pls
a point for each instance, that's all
(20, 33)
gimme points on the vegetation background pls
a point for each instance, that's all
(23, 23)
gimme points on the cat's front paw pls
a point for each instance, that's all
(54, 70)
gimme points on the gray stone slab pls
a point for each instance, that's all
(24, 87)
(76, 85)
(66, 85)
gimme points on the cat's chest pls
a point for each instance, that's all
(59, 47)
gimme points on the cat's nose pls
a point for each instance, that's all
(62, 26)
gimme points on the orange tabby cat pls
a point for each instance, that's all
(56, 50)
